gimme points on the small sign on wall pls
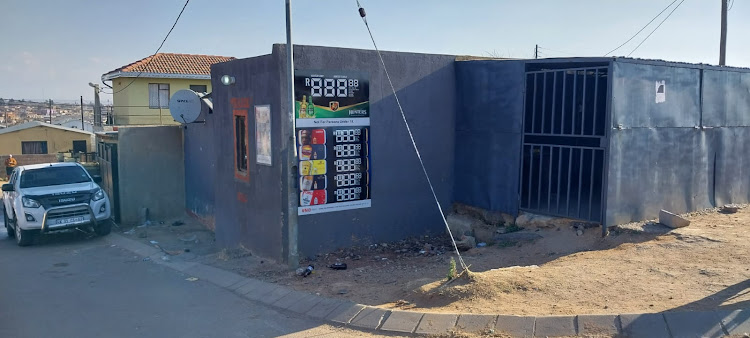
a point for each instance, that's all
(263, 134)
(661, 91)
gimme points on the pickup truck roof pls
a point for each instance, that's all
(45, 165)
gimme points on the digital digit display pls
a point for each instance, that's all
(348, 135)
(348, 194)
(348, 150)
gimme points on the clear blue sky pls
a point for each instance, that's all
(52, 49)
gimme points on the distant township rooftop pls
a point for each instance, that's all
(168, 64)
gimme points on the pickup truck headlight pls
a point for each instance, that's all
(98, 195)
(29, 203)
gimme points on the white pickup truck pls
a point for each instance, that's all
(44, 198)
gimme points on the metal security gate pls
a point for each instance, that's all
(564, 142)
(107, 158)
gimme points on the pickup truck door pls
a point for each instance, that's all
(9, 196)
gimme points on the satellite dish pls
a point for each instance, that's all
(185, 106)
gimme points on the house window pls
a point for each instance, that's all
(79, 146)
(199, 88)
(34, 147)
(240, 144)
(158, 95)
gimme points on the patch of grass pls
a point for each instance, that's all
(513, 228)
(452, 270)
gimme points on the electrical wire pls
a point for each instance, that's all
(657, 27)
(411, 136)
(731, 4)
(152, 55)
(641, 30)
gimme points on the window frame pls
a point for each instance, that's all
(205, 87)
(238, 172)
(160, 87)
(45, 147)
(85, 146)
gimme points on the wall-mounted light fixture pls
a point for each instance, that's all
(227, 80)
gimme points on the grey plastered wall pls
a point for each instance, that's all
(246, 213)
(726, 118)
(685, 154)
(489, 133)
(402, 204)
(151, 172)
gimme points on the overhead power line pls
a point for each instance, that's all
(156, 52)
(641, 30)
(657, 27)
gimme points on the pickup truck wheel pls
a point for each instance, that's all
(103, 228)
(8, 228)
(25, 237)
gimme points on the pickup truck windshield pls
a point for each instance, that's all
(43, 177)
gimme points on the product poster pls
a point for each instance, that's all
(332, 110)
(263, 134)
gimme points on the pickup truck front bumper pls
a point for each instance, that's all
(68, 216)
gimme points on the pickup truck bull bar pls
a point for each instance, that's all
(92, 217)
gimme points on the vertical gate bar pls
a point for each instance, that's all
(559, 169)
(544, 100)
(570, 163)
(580, 180)
(533, 107)
(562, 105)
(539, 183)
(583, 103)
(573, 104)
(596, 97)
(549, 178)
(554, 103)
(531, 172)
(591, 183)
(521, 183)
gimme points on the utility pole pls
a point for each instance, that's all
(98, 108)
(291, 149)
(50, 111)
(82, 126)
(723, 43)
(536, 52)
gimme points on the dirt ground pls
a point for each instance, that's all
(637, 268)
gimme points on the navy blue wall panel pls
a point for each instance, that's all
(489, 133)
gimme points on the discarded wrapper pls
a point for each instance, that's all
(338, 266)
(191, 279)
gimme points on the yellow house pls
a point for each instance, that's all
(141, 90)
(44, 138)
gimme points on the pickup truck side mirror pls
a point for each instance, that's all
(97, 179)
(7, 187)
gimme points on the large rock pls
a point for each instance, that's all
(489, 217)
(466, 243)
(671, 220)
(461, 225)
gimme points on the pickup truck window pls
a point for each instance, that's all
(53, 176)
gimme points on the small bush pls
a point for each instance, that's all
(452, 270)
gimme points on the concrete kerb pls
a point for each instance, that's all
(668, 324)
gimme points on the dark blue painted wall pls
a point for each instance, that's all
(489, 133)
(200, 169)
(244, 213)
(402, 204)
